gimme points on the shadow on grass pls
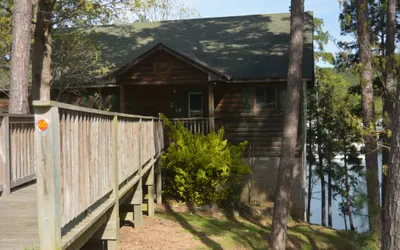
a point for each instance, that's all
(185, 224)
(251, 230)
(341, 240)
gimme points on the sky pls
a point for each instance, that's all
(328, 10)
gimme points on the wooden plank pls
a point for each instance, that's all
(18, 219)
(5, 155)
(47, 149)
(22, 180)
(84, 226)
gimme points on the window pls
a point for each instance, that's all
(265, 97)
(195, 104)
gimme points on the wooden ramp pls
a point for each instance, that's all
(18, 220)
(88, 164)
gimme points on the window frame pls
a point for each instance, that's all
(275, 103)
(202, 104)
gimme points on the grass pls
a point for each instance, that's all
(249, 233)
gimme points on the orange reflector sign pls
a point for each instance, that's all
(42, 124)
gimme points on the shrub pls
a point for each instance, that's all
(201, 169)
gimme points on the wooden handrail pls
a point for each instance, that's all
(71, 107)
(86, 160)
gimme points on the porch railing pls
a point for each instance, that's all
(198, 125)
(17, 157)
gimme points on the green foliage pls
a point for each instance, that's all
(5, 40)
(77, 60)
(321, 39)
(335, 127)
(160, 10)
(201, 169)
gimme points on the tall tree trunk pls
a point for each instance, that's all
(321, 168)
(311, 163)
(42, 51)
(329, 199)
(20, 52)
(391, 225)
(323, 199)
(344, 216)
(347, 186)
(388, 94)
(371, 156)
(290, 128)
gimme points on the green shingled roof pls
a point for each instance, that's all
(240, 47)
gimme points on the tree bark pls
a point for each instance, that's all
(323, 199)
(290, 128)
(321, 168)
(344, 216)
(329, 200)
(391, 224)
(347, 186)
(20, 53)
(371, 156)
(42, 51)
(311, 163)
(388, 94)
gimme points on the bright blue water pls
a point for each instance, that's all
(360, 222)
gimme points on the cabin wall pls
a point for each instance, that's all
(262, 127)
(169, 99)
(161, 83)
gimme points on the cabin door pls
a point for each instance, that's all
(195, 104)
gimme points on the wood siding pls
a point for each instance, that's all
(261, 127)
(163, 68)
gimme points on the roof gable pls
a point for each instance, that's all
(162, 67)
(168, 52)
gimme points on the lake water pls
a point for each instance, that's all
(360, 222)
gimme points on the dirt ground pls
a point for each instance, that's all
(157, 233)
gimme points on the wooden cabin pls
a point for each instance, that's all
(227, 71)
(231, 71)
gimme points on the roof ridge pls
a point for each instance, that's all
(197, 19)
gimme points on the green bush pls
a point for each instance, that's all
(201, 169)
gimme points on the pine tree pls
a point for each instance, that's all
(21, 36)
(290, 128)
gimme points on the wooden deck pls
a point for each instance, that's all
(18, 220)
(88, 164)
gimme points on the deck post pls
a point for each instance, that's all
(137, 199)
(5, 155)
(158, 180)
(211, 106)
(150, 192)
(47, 151)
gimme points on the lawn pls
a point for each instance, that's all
(220, 230)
